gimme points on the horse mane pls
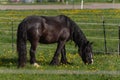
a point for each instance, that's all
(76, 33)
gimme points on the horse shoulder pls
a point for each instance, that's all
(65, 34)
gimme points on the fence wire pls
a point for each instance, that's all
(93, 34)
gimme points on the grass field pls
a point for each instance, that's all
(94, 32)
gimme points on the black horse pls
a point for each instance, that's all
(47, 30)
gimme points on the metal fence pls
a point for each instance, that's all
(105, 36)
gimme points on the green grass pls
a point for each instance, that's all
(101, 62)
(94, 33)
(8, 62)
(58, 77)
(8, 55)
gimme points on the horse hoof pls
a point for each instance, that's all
(66, 63)
(69, 63)
(36, 65)
(21, 65)
(54, 63)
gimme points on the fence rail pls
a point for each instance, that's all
(98, 38)
(99, 26)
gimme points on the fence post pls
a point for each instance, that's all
(104, 31)
(119, 40)
(81, 4)
(12, 36)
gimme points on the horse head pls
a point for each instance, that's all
(86, 53)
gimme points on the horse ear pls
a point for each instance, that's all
(89, 43)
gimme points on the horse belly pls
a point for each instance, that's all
(48, 39)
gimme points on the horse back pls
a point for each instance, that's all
(54, 30)
(47, 29)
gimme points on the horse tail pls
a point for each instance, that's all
(21, 44)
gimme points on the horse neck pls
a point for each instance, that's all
(79, 38)
(76, 33)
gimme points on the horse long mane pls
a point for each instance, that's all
(76, 33)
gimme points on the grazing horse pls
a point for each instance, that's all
(47, 30)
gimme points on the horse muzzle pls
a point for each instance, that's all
(89, 62)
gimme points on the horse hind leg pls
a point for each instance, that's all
(32, 53)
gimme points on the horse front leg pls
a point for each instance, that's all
(55, 60)
(63, 56)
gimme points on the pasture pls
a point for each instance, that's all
(90, 21)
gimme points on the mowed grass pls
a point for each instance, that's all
(102, 62)
(58, 77)
(8, 64)
(8, 67)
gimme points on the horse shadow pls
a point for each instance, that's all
(8, 62)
